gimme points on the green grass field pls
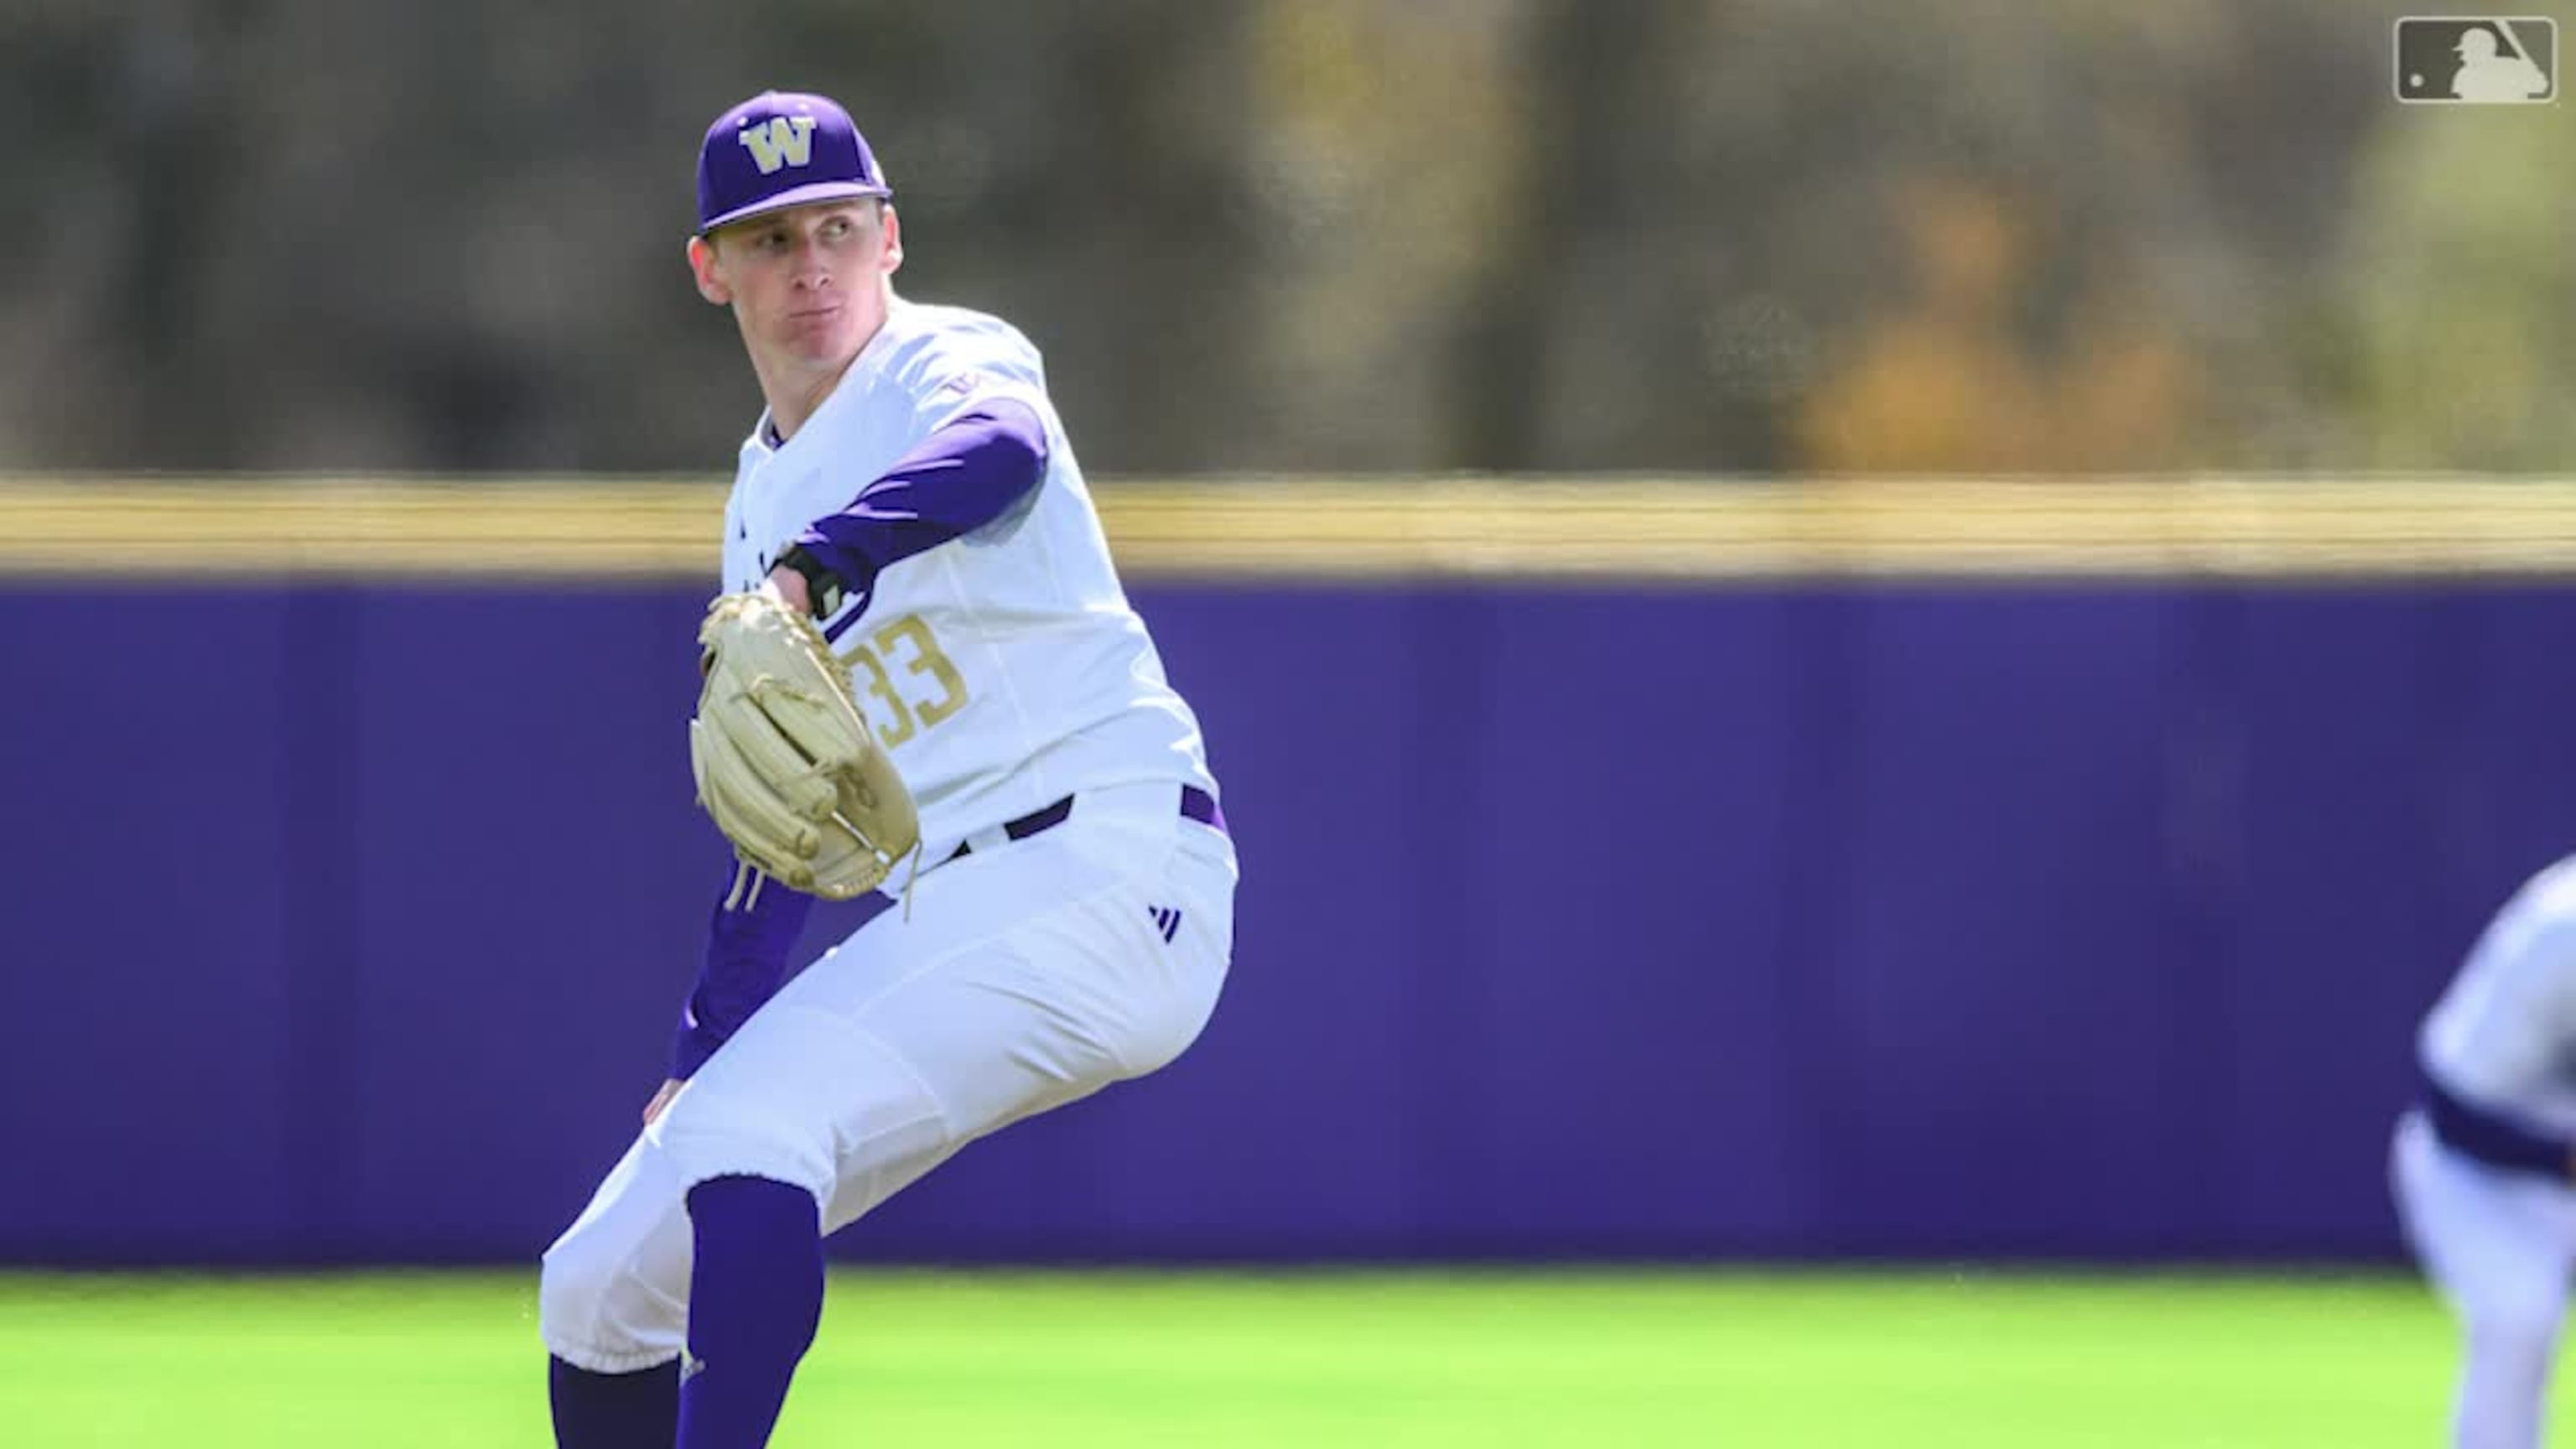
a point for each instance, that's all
(1896, 1361)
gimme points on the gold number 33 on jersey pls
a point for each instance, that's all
(931, 688)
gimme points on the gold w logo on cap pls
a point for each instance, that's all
(784, 141)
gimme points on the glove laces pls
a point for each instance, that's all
(911, 873)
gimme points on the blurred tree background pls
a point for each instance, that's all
(1745, 236)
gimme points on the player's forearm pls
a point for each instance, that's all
(962, 477)
(748, 939)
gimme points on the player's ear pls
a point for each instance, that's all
(704, 266)
(892, 257)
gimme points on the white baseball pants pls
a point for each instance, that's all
(1030, 974)
(2499, 1245)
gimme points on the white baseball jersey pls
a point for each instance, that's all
(1003, 670)
(2504, 1034)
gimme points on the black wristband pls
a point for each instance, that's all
(823, 588)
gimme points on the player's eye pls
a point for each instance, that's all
(837, 228)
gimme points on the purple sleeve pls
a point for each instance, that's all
(747, 945)
(966, 474)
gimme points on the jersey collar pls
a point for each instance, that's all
(764, 441)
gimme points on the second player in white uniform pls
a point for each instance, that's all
(1071, 919)
(2483, 1164)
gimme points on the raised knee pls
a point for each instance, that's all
(593, 1315)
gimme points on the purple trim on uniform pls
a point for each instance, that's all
(966, 474)
(1037, 820)
(2495, 1138)
(1199, 805)
(746, 955)
(1196, 804)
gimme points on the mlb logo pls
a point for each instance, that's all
(2477, 60)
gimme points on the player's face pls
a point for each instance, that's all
(808, 284)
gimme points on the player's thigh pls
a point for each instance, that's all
(1123, 975)
(1108, 984)
(802, 1095)
(855, 1108)
(1013, 988)
(907, 1040)
(2499, 1245)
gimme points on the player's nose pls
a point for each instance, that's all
(805, 263)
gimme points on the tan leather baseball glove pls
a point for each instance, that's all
(786, 765)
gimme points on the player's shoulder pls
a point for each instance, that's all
(934, 344)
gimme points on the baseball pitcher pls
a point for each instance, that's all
(925, 690)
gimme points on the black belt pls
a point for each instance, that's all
(1196, 804)
(2491, 1137)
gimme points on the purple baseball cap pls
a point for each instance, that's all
(782, 149)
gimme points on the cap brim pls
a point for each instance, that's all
(796, 196)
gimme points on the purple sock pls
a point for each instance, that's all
(755, 1299)
(614, 1411)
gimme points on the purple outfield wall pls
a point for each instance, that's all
(2001, 920)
